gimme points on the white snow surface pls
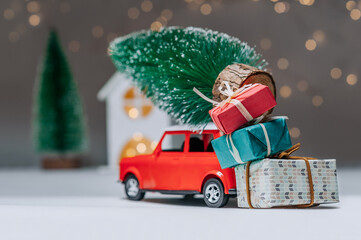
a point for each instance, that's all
(90, 204)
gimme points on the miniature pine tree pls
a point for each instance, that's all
(58, 124)
(166, 65)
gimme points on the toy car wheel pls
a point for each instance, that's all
(213, 193)
(132, 189)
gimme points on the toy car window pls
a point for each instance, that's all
(173, 143)
(200, 143)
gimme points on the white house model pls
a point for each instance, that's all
(134, 125)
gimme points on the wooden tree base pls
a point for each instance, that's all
(240, 74)
(61, 163)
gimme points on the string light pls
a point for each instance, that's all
(34, 20)
(317, 101)
(9, 14)
(282, 63)
(355, 14)
(206, 9)
(33, 7)
(97, 31)
(295, 132)
(310, 44)
(285, 91)
(146, 6)
(266, 43)
(133, 13)
(336, 73)
(74, 46)
(302, 86)
(351, 79)
(65, 7)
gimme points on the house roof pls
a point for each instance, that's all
(110, 85)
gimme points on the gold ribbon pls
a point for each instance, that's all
(286, 155)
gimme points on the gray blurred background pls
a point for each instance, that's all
(312, 46)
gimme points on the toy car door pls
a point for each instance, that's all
(199, 160)
(167, 171)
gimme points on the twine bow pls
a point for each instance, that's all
(286, 155)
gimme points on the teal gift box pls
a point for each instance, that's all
(252, 143)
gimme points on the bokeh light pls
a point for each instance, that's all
(266, 43)
(355, 14)
(133, 13)
(295, 132)
(302, 86)
(336, 73)
(156, 26)
(9, 14)
(74, 46)
(310, 44)
(351, 79)
(33, 7)
(285, 91)
(206, 9)
(317, 100)
(34, 20)
(282, 63)
(65, 7)
(97, 31)
(319, 36)
(146, 6)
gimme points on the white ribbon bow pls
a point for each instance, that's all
(230, 98)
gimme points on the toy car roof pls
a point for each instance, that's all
(176, 128)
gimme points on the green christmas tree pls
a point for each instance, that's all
(58, 124)
(166, 65)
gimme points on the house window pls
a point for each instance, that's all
(136, 105)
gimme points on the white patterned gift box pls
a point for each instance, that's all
(285, 182)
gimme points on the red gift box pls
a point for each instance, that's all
(236, 111)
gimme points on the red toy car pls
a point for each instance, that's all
(183, 163)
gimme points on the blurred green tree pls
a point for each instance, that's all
(59, 126)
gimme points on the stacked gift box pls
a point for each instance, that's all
(258, 147)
